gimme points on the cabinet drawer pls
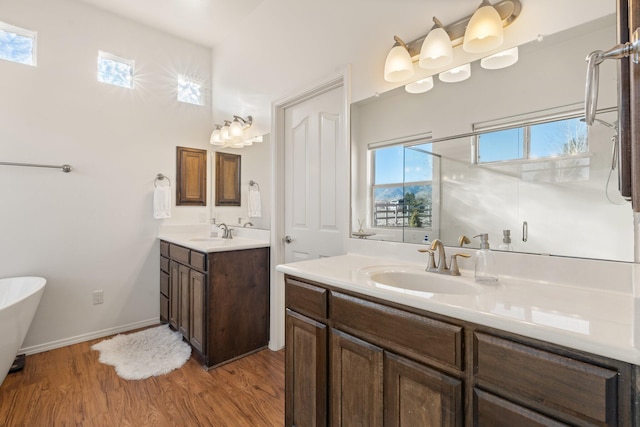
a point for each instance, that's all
(164, 283)
(493, 411)
(306, 299)
(557, 382)
(416, 336)
(164, 248)
(164, 264)
(179, 253)
(198, 261)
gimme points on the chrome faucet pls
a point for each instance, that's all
(226, 234)
(248, 224)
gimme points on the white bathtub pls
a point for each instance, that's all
(19, 299)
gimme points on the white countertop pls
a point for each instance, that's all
(592, 320)
(200, 242)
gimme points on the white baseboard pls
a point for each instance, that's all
(87, 337)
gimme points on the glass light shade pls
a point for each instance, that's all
(224, 133)
(248, 142)
(420, 86)
(216, 138)
(457, 74)
(235, 128)
(237, 144)
(484, 31)
(499, 60)
(398, 66)
(436, 51)
(257, 138)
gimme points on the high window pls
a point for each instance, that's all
(115, 70)
(190, 91)
(17, 44)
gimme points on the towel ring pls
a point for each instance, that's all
(252, 183)
(160, 177)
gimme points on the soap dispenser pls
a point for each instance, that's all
(485, 263)
(506, 241)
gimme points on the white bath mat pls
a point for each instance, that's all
(144, 354)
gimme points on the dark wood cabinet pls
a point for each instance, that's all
(417, 395)
(191, 177)
(218, 301)
(394, 365)
(356, 382)
(197, 308)
(306, 359)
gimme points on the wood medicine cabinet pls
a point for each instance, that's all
(227, 179)
(191, 186)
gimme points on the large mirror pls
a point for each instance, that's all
(504, 150)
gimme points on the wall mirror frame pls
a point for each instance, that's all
(227, 179)
(191, 177)
(537, 84)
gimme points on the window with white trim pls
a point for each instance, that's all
(545, 139)
(402, 186)
(17, 44)
(115, 70)
(190, 91)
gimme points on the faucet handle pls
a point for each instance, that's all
(431, 264)
(454, 270)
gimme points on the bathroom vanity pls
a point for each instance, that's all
(215, 292)
(362, 354)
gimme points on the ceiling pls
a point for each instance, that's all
(264, 50)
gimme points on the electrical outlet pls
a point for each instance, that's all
(98, 297)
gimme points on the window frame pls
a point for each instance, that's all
(23, 32)
(524, 123)
(115, 58)
(404, 184)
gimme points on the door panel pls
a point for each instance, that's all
(316, 177)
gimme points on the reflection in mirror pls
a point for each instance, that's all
(519, 157)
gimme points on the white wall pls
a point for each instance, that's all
(489, 199)
(91, 229)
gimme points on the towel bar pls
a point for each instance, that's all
(65, 168)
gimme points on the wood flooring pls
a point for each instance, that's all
(69, 387)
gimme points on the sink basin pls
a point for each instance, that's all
(207, 239)
(418, 282)
(423, 282)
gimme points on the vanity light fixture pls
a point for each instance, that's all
(232, 133)
(420, 86)
(480, 32)
(485, 31)
(503, 59)
(436, 50)
(398, 65)
(455, 75)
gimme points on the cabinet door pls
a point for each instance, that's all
(185, 300)
(191, 168)
(306, 371)
(493, 411)
(174, 292)
(356, 382)
(419, 396)
(197, 314)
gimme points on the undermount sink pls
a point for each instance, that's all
(419, 282)
(208, 239)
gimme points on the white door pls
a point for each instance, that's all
(316, 177)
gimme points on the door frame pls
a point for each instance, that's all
(279, 107)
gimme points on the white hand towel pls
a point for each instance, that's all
(255, 208)
(162, 202)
